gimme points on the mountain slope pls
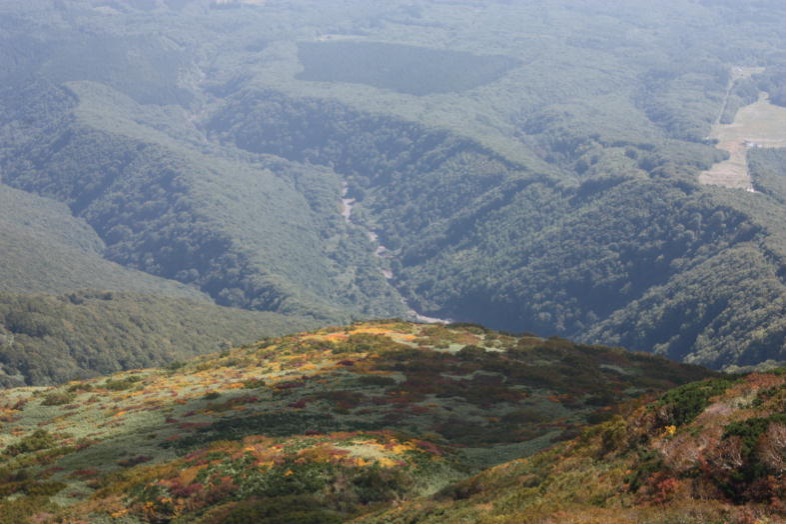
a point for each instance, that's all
(224, 226)
(475, 237)
(546, 180)
(51, 339)
(46, 249)
(707, 452)
(316, 426)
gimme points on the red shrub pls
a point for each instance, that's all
(130, 462)
(85, 473)
(180, 491)
(286, 385)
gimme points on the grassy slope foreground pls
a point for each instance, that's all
(706, 452)
(320, 426)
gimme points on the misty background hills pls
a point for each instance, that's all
(180, 176)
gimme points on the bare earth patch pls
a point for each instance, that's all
(759, 125)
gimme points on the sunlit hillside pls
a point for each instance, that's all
(324, 425)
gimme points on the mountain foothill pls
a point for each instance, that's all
(221, 221)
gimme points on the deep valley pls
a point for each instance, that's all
(402, 261)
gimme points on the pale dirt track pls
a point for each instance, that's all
(761, 124)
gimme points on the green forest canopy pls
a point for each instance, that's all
(540, 175)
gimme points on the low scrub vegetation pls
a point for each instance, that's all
(348, 419)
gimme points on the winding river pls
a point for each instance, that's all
(381, 252)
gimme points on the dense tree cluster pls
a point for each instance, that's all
(621, 257)
(47, 339)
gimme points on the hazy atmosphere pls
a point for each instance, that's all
(519, 243)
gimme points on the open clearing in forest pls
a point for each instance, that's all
(758, 125)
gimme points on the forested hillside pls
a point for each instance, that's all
(474, 235)
(534, 167)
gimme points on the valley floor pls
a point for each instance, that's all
(759, 125)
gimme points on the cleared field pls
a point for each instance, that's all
(759, 125)
(403, 68)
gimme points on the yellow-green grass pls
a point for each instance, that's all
(388, 409)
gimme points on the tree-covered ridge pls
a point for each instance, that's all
(52, 339)
(711, 451)
(766, 169)
(560, 197)
(47, 250)
(261, 234)
(476, 237)
(320, 425)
